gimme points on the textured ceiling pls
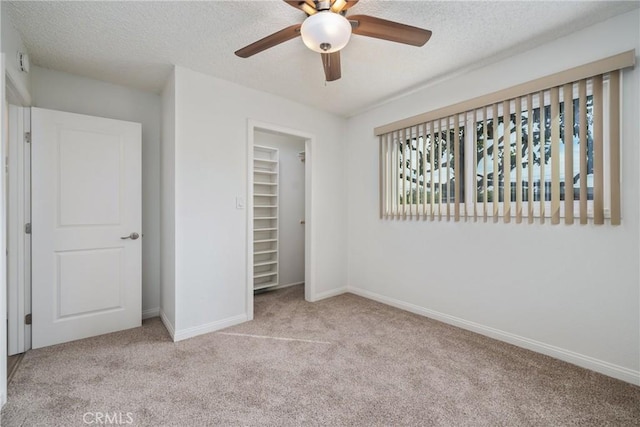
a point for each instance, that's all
(135, 43)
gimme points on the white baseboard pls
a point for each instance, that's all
(167, 324)
(287, 285)
(209, 327)
(150, 312)
(328, 294)
(606, 368)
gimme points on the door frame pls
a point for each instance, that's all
(309, 230)
(12, 91)
(18, 241)
(4, 131)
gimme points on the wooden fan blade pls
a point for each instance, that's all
(269, 41)
(350, 4)
(331, 64)
(388, 30)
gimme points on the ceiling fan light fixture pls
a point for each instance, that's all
(326, 32)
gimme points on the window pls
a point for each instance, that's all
(551, 153)
(428, 172)
(519, 168)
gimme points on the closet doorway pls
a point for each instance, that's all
(278, 210)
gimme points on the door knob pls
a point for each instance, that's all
(132, 236)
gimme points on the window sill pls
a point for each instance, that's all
(467, 211)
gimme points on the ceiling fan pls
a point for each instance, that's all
(327, 30)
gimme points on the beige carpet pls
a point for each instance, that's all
(345, 361)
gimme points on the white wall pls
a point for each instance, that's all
(291, 208)
(568, 291)
(66, 92)
(211, 171)
(168, 218)
(11, 45)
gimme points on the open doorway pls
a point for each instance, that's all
(278, 202)
(278, 207)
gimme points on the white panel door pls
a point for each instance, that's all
(86, 201)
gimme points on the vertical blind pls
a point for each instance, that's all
(534, 150)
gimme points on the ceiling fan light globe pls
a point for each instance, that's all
(326, 29)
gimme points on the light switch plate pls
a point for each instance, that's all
(240, 202)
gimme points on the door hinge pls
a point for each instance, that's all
(27, 228)
(27, 137)
(27, 319)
